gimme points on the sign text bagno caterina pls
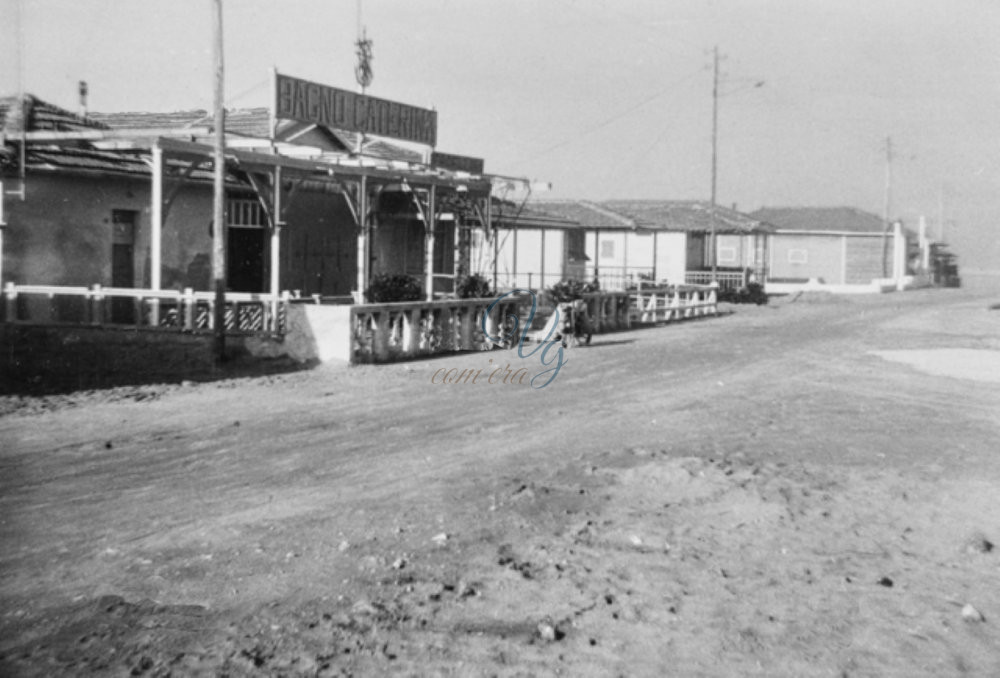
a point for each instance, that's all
(323, 105)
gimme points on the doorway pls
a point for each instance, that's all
(245, 259)
(123, 263)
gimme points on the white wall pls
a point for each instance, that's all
(671, 257)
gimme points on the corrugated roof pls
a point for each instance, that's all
(653, 215)
(843, 219)
(145, 120)
(70, 159)
(41, 116)
(247, 122)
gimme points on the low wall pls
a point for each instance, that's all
(49, 358)
(60, 358)
(814, 285)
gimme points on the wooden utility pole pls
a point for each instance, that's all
(219, 194)
(715, 145)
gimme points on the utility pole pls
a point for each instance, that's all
(715, 145)
(219, 194)
(887, 207)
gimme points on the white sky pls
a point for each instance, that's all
(604, 98)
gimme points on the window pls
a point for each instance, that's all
(798, 256)
(607, 249)
(727, 255)
(245, 213)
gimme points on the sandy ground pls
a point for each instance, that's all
(809, 488)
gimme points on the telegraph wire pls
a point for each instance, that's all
(614, 118)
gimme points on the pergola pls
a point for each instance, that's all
(276, 178)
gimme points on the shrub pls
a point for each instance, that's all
(570, 290)
(753, 293)
(387, 288)
(473, 287)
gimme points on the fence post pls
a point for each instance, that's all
(189, 306)
(10, 302)
(154, 312)
(96, 305)
(713, 299)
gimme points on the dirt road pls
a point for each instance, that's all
(803, 489)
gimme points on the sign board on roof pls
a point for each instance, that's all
(457, 163)
(311, 102)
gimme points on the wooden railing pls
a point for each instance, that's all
(125, 306)
(674, 302)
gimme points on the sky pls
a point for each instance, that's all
(602, 98)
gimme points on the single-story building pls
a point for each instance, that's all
(620, 242)
(124, 200)
(841, 249)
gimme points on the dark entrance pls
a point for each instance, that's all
(245, 260)
(123, 263)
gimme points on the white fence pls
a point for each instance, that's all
(123, 306)
(728, 280)
(674, 302)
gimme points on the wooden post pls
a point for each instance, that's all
(96, 305)
(219, 192)
(541, 275)
(496, 245)
(10, 302)
(363, 245)
(189, 308)
(275, 249)
(156, 235)
(429, 221)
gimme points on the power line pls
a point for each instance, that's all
(613, 118)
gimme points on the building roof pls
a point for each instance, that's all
(40, 115)
(653, 215)
(253, 123)
(821, 219)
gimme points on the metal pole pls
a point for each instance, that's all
(715, 144)
(219, 194)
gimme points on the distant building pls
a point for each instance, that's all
(624, 241)
(841, 249)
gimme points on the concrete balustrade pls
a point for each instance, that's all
(406, 330)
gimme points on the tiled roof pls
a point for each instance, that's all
(507, 213)
(844, 219)
(41, 116)
(653, 215)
